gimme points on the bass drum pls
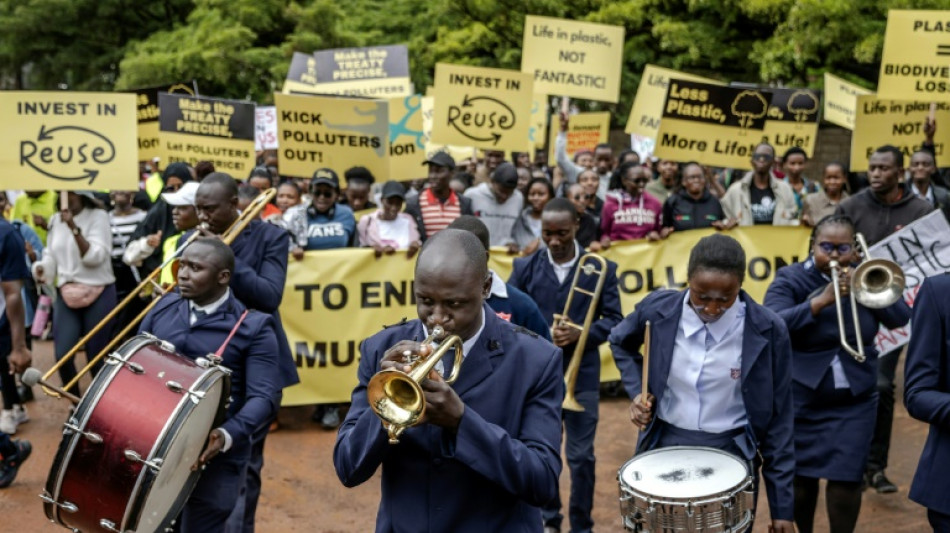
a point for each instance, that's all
(124, 463)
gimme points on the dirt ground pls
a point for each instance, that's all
(301, 491)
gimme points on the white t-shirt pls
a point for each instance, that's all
(395, 230)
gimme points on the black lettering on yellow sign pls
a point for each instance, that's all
(372, 295)
(932, 25)
(81, 148)
(325, 353)
(648, 280)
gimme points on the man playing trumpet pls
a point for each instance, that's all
(485, 455)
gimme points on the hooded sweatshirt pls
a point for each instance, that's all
(875, 219)
(627, 218)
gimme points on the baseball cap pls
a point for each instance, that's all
(441, 159)
(183, 196)
(325, 176)
(393, 189)
(506, 175)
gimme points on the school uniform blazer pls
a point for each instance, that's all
(255, 378)
(766, 380)
(501, 465)
(535, 276)
(927, 391)
(815, 339)
(260, 272)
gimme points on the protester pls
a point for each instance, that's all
(460, 182)
(940, 176)
(693, 207)
(760, 197)
(521, 160)
(498, 203)
(261, 180)
(124, 218)
(667, 181)
(359, 182)
(158, 222)
(524, 178)
(794, 162)
(923, 167)
(588, 228)
(602, 160)
(329, 223)
(485, 456)
(288, 195)
(631, 213)
(205, 168)
(185, 218)
(878, 211)
(589, 180)
(834, 395)
(438, 205)
(77, 259)
(527, 229)
(818, 205)
(34, 208)
(491, 160)
(719, 372)
(389, 229)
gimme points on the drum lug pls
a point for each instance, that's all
(108, 525)
(193, 395)
(155, 464)
(66, 506)
(72, 427)
(135, 368)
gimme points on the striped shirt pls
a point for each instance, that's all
(122, 228)
(436, 215)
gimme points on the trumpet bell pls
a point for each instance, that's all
(397, 399)
(877, 283)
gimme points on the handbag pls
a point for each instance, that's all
(79, 295)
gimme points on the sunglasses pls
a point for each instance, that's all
(326, 193)
(171, 188)
(762, 157)
(827, 248)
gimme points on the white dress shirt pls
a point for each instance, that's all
(837, 371)
(563, 269)
(192, 318)
(467, 345)
(704, 387)
(498, 286)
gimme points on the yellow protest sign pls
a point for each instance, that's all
(841, 101)
(406, 143)
(68, 140)
(645, 114)
(302, 75)
(194, 129)
(147, 102)
(570, 58)
(899, 123)
(793, 120)
(539, 122)
(336, 133)
(712, 124)
(457, 152)
(351, 296)
(584, 132)
(915, 62)
(487, 108)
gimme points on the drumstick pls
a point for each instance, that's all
(646, 363)
(32, 376)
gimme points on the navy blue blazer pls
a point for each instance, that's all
(927, 390)
(535, 276)
(501, 465)
(250, 353)
(520, 310)
(260, 272)
(815, 340)
(766, 380)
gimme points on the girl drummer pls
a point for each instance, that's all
(835, 396)
(719, 371)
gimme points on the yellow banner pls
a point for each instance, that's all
(915, 62)
(334, 299)
(841, 101)
(651, 94)
(193, 128)
(487, 108)
(336, 133)
(146, 101)
(570, 58)
(711, 124)
(899, 123)
(68, 140)
(458, 153)
(584, 132)
(793, 120)
(406, 144)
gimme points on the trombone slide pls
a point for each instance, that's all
(589, 264)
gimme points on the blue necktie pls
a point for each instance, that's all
(199, 314)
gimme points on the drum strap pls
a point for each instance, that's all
(220, 353)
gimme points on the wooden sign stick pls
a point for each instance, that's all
(646, 364)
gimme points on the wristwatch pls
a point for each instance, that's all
(77, 231)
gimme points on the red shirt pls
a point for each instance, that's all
(438, 215)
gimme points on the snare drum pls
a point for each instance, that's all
(683, 488)
(124, 463)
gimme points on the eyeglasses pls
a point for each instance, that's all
(171, 188)
(326, 193)
(762, 157)
(843, 248)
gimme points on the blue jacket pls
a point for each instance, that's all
(250, 353)
(501, 465)
(927, 391)
(766, 380)
(815, 340)
(520, 310)
(535, 276)
(260, 272)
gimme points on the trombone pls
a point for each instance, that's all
(253, 211)
(588, 265)
(396, 396)
(875, 283)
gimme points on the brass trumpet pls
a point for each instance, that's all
(396, 396)
(875, 283)
(588, 265)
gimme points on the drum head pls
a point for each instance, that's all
(682, 472)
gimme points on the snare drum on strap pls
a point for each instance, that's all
(683, 488)
(124, 463)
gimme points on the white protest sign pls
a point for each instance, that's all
(265, 128)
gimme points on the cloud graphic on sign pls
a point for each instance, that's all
(802, 103)
(748, 106)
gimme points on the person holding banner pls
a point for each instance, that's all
(793, 163)
(485, 456)
(588, 228)
(881, 209)
(835, 396)
(631, 213)
(693, 207)
(359, 183)
(437, 206)
(927, 397)
(547, 276)
(760, 197)
(719, 372)
(666, 182)
(824, 202)
(389, 229)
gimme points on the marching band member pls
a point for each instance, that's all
(835, 396)
(485, 457)
(720, 371)
(198, 321)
